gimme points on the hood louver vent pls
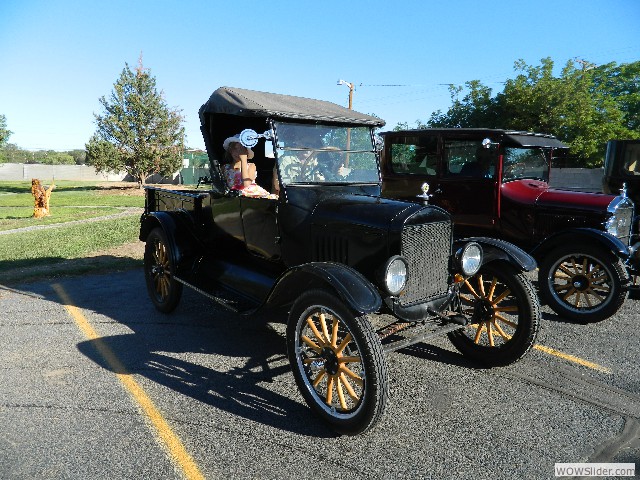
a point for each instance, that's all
(330, 248)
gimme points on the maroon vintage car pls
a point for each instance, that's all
(495, 183)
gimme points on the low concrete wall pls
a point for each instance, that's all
(27, 171)
(583, 179)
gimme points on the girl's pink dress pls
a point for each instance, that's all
(234, 180)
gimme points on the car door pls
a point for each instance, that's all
(259, 222)
(408, 162)
(467, 184)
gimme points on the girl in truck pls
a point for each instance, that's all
(239, 173)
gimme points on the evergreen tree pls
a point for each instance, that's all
(5, 133)
(137, 131)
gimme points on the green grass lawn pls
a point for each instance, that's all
(69, 201)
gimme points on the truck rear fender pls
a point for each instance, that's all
(348, 284)
(589, 236)
(181, 240)
(495, 249)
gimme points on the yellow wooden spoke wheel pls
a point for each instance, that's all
(503, 313)
(337, 361)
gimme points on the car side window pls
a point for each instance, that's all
(631, 163)
(468, 158)
(415, 156)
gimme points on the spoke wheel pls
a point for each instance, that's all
(159, 271)
(337, 361)
(504, 314)
(583, 283)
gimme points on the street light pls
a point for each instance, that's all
(351, 89)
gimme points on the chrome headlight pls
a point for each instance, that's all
(469, 259)
(619, 224)
(621, 210)
(395, 275)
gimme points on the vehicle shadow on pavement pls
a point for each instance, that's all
(434, 353)
(554, 317)
(236, 390)
(201, 351)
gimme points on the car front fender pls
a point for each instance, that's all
(348, 284)
(495, 249)
(582, 235)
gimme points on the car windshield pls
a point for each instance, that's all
(311, 154)
(525, 163)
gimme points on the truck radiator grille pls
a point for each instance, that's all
(427, 249)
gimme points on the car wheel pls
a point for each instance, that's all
(582, 283)
(338, 362)
(505, 315)
(159, 271)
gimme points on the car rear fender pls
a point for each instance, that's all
(575, 236)
(495, 249)
(348, 284)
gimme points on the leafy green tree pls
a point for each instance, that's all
(137, 131)
(79, 156)
(585, 106)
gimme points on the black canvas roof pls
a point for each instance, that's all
(522, 139)
(250, 103)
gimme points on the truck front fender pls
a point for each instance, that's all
(348, 284)
(495, 249)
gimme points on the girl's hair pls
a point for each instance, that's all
(227, 159)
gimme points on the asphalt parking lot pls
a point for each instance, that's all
(97, 384)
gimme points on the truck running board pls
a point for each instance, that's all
(424, 334)
(230, 305)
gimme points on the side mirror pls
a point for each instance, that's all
(486, 143)
(249, 138)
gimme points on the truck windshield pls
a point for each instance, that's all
(525, 163)
(309, 154)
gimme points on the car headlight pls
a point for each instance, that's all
(469, 259)
(619, 224)
(395, 275)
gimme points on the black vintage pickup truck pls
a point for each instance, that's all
(354, 275)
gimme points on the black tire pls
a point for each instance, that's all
(159, 271)
(505, 315)
(338, 362)
(582, 283)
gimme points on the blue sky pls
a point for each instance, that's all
(58, 57)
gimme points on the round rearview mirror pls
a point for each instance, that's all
(249, 138)
(486, 143)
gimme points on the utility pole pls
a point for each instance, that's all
(351, 89)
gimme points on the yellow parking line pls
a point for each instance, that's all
(571, 358)
(562, 355)
(176, 450)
